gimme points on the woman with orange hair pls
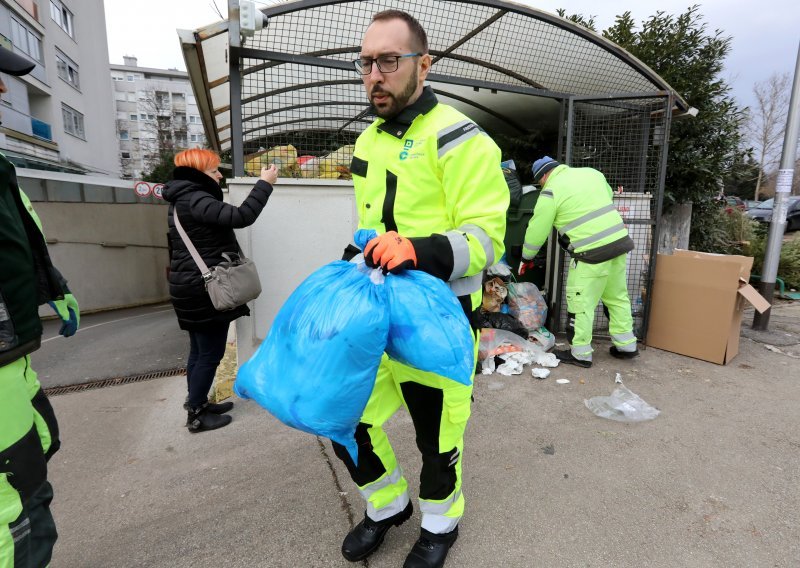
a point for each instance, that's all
(195, 197)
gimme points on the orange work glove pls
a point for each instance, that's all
(524, 266)
(391, 252)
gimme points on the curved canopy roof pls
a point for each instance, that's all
(506, 65)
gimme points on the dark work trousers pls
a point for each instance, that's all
(207, 349)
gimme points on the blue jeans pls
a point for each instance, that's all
(207, 349)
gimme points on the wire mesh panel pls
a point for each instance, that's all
(301, 100)
(624, 140)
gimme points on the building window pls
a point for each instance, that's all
(117, 78)
(178, 98)
(62, 17)
(197, 138)
(130, 78)
(26, 40)
(67, 70)
(192, 119)
(125, 155)
(124, 135)
(142, 116)
(134, 117)
(73, 122)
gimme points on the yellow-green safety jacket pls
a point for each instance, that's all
(434, 176)
(579, 203)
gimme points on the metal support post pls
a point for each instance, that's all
(235, 84)
(783, 187)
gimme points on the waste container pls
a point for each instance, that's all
(516, 224)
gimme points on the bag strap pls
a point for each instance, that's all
(204, 271)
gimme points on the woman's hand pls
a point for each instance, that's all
(270, 174)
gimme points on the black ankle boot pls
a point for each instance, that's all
(430, 550)
(213, 407)
(623, 354)
(368, 535)
(201, 420)
(566, 356)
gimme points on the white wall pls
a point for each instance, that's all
(306, 224)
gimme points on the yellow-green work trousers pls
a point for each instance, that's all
(588, 284)
(28, 437)
(439, 408)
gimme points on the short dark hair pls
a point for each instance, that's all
(418, 35)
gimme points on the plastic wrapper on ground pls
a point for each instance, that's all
(623, 405)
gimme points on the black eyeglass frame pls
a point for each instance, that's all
(360, 66)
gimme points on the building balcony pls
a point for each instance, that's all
(41, 129)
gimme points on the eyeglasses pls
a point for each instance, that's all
(386, 63)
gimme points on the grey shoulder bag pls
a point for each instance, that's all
(232, 282)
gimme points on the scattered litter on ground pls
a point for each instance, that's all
(782, 352)
(623, 405)
(540, 373)
(546, 360)
(562, 381)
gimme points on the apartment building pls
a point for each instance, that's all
(60, 116)
(156, 114)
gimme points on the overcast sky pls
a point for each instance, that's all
(765, 40)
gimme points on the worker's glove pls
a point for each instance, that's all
(524, 266)
(391, 252)
(67, 310)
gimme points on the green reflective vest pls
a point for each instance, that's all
(579, 203)
(434, 176)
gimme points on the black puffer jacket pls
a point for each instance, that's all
(209, 222)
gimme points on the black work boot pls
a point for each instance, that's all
(623, 354)
(213, 407)
(430, 550)
(367, 536)
(201, 420)
(566, 356)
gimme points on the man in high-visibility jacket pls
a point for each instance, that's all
(429, 181)
(579, 203)
(28, 426)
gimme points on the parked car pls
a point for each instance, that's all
(733, 202)
(750, 203)
(763, 213)
(729, 202)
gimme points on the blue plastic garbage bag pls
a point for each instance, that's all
(428, 328)
(316, 369)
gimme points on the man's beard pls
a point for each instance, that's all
(396, 103)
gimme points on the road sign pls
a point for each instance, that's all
(157, 189)
(142, 188)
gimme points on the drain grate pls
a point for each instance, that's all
(53, 391)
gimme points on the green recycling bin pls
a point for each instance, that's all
(517, 219)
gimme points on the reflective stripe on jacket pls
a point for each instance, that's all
(579, 203)
(434, 176)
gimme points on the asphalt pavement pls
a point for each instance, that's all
(711, 482)
(111, 344)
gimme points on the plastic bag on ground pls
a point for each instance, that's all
(543, 337)
(623, 405)
(428, 329)
(316, 369)
(494, 294)
(526, 303)
(499, 320)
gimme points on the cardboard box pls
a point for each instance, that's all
(697, 304)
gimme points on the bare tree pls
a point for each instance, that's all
(767, 122)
